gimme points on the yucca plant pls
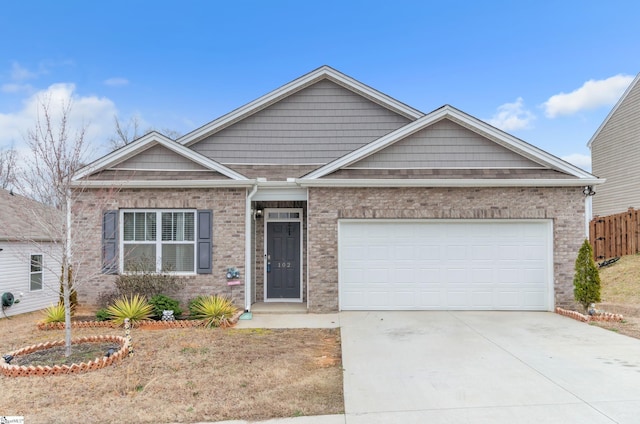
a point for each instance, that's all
(54, 313)
(136, 308)
(216, 311)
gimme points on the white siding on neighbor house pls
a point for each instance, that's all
(159, 158)
(445, 144)
(313, 126)
(615, 154)
(15, 276)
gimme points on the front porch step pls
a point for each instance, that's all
(279, 308)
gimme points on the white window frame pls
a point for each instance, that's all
(32, 273)
(158, 242)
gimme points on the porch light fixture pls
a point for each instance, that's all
(258, 213)
(588, 191)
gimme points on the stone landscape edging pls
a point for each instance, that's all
(41, 371)
(146, 324)
(603, 316)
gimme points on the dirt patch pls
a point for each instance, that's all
(183, 375)
(82, 352)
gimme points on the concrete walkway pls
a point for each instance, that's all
(476, 367)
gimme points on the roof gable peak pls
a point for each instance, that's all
(147, 141)
(319, 74)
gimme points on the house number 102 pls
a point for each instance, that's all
(283, 264)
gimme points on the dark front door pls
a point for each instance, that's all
(283, 260)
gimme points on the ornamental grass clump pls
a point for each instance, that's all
(54, 313)
(216, 311)
(136, 308)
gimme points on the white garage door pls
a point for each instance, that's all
(445, 265)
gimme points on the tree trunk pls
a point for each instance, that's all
(66, 296)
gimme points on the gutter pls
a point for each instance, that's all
(439, 182)
(247, 249)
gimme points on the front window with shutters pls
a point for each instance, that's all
(158, 241)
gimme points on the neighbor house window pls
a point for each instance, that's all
(35, 273)
(158, 241)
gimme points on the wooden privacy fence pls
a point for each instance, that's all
(615, 235)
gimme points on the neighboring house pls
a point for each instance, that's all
(328, 192)
(615, 155)
(29, 254)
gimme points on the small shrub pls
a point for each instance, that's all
(54, 313)
(586, 281)
(102, 314)
(146, 283)
(216, 311)
(136, 308)
(161, 303)
(107, 298)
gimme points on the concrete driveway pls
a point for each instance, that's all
(486, 367)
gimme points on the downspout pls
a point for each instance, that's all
(247, 250)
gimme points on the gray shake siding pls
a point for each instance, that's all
(615, 153)
(445, 144)
(159, 157)
(313, 126)
(328, 205)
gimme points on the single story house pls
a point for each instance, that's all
(615, 152)
(29, 255)
(330, 193)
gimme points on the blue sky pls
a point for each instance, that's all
(547, 72)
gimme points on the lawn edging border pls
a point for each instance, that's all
(602, 316)
(143, 325)
(41, 371)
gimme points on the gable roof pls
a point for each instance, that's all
(24, 219)
(146, 142)
(614, 110)
(324, 72)
(468, 121)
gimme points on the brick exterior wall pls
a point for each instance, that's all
(228, 205)
(565, 206)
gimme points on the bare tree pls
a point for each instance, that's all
(8, 161)
(130, 131)
(57, 153)
(125, 133)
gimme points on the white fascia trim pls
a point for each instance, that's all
(292, 87)
(162, 183)
(447, 111)
(147, 142)
(463, 182)
(514, 143)
(379, 144)
(615, 108)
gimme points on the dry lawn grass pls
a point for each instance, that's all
(183, 375)
(621, 294)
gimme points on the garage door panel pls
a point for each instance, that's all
(445, 264)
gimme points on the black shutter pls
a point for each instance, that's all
(110, 242)
(205, 241)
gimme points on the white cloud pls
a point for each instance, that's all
(592, 94)
(20, 73)
(512, 116)
(579, 160)
(116, 82)
(15, 87)
(92, 112)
